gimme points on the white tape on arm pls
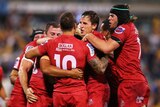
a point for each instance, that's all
(27, 59)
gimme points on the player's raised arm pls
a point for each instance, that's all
(25, 67)
(32, 53)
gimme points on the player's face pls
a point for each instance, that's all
(113, 20)
(85, 25)
(53, 32)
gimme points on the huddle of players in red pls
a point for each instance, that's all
(84, 67)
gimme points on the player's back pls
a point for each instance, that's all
(68, 53)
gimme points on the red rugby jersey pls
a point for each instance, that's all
(67, 52)
(127, 56)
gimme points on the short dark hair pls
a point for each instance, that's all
(54, 24)
(67, 21)
(94, 18)
(122, 12)
(105, 25)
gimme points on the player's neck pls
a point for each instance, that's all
(71, 33)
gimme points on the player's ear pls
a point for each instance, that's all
(94, 26)
(75, 25)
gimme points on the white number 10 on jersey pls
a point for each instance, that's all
(65, 59)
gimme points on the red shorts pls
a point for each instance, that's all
(133, 93)
(43, 101)
(17, 101)
(99, 98)
(75, 99)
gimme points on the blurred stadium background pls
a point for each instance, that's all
(19, 17)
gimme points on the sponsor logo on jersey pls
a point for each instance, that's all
(119, 30)
(65, 45)
(91, 49)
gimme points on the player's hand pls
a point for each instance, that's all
(30, 96)
(77, 73)
(85, 38)
(43, 40)
(6, 101)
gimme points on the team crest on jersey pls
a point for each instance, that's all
(28, 48)
(91, 49)
(119, 30)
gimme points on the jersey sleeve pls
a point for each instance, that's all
(43, 48)
(90, 52)
(99, 35)
(16, 63)
(119, 34)
(27, 48)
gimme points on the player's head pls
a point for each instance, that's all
(119, 14)
(89, 22)
(36, 34)
(105, 25)
(53, 30)
(67, 22)
(105, 28)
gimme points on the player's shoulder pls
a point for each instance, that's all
(128, 25)
(30, 45)
(122, 28)
(88, 45)
(98, 34)
(82, 42)
(76, 40)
